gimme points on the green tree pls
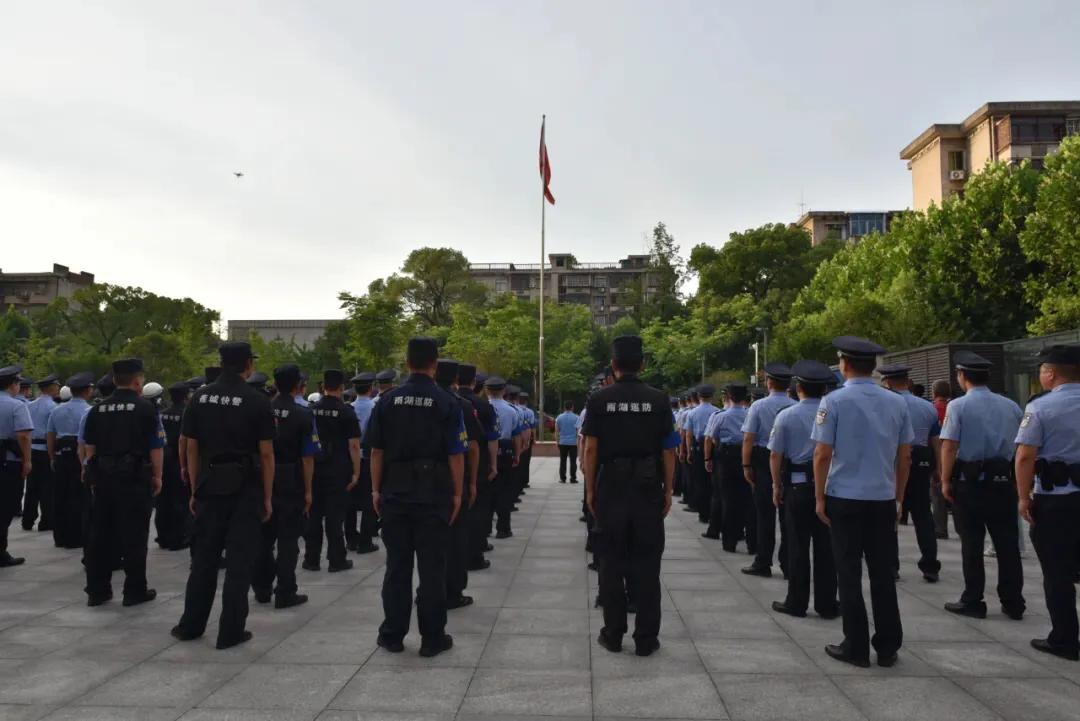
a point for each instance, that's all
(163, 356)
(14, 335)
(431, 281)
(376, 329)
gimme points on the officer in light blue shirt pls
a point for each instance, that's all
(977, 448)
(566, 426)
(66, 425)
(510, 447)
(861, 463)
(755, 460)
(39, 484)
(732, 517)
(791, 460)
(15, 464)
(1048, 459)
(695, 423)
(300, 397)
(924, 449)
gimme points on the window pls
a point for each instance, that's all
(956, 160)
(500, 286)
(1038, 129)
(836, 231)
(577, 281)
(1072, 126)
(861, 224)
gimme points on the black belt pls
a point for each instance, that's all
(989, 470)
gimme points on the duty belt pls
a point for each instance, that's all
(66, 445)
(922, 457)
(1055, 474)
(990, 470)
(730, 450)
(804, 468)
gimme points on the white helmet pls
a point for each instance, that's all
(314, 397)
(65, 394)
(152, 390)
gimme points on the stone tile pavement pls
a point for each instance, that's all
(526, 650)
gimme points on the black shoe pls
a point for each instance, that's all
(1069, 654)
(7, 560)
(307, 566)
(611, 644)
(97, 599)
(887, 660)
(180, 634)
(345, 565)
(962, 609)
(480, 565)
(711, 536)
(582, 519)
(389, 645)
(755, 571)
(459, 602)
(295, 599)
(574, 481)
(147, 595)
(366, 548)
(631, 608)
(1014, 614)
(503, 534)
(781, 607)
(646, 648)
(438, 646)
(930, 576)
(26, 527)
(731, 549)
(43, 529)
(942, 536)
(841, 655)
(596, 604)
(515, 509)
(829, 615)
(263, 596)
(593, 566)
(562, 480)
(489, 547)
(242, 638)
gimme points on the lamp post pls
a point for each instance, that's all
(754, 346)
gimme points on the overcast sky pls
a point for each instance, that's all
(368, 129)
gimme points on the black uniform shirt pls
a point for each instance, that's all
(228, 418)
(296, 436)
(417, 421)
(171, 419)
(336, 423)
(630, 420)
(485, 415)
(124, 423)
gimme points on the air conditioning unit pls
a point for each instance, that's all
(957, 174)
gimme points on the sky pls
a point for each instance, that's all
(365, 130)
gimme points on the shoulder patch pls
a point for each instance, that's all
(822, 414)
(1026, 420)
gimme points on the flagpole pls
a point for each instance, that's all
(540, 382)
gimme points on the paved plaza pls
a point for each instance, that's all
(525, 650)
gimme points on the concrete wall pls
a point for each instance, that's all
(979, 147)
(926, 181)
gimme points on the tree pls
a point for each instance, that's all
(376, 329)
(433, 280)
(14, 335)
(668, 269)
(163, 356)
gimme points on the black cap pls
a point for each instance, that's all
(812, 371)
(495, 383)
(858, 348)
(177, 387)
(446, 371)
(365, 378)
(896, 370)
(466, 374)
(1066, 355)
(524, 394)
(333, 378)
(778, 370)
(736, 391)
(127, 366)
(105, 385)
(422, 351)
(512, 390)
(707, 390)
(386, 376)
(627, 349)
(80, 380)
(48, 380)
(968, 361)
(10, 373)
(286, 376)
(481, 378)
(25, 381)
(257, 379)
(674, 401)
(757, 393)
(196, 382)
(233, 352)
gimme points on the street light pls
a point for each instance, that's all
(765, 346)
(754, 347)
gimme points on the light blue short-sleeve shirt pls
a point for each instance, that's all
(792, 431)
(698, 418)
(924, 419)
(865, 424)
(14, 418)
(567, 426)
(1051, 423)
(728, 427)
(762, 413)
(66, 420)
(983, 423)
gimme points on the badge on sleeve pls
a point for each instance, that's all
(1026, 421)
(822, 414)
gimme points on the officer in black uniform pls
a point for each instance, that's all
(361, 525)
(385, 379)
(457, 575)
(629, 468)
(172, 516)
(294, 468)
(480, 509)
(124, 458)
(258, 381)
(417, 434)
(63, 442)
(229, 428)
(337, 473)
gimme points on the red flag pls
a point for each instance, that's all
(545, 166)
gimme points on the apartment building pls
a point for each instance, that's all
(846, 225)
(29, 292)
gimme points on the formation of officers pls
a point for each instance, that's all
(240, 472)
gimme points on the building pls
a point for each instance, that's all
(303, 333)
(606, 288)
(945, 155)
(845, 224)
(33, 291)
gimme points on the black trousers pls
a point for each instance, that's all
(361, 523)
(716, 499)
(171, 512)
(283, 531)
(982, 508)
(567, 453)
(866, 529)
(11, 486)
(69, 496)
(457, 552)
(328, 506)
(526, 464)
(803, 529)
(506, 490)
(120, 517)
(39, 492)
(740, 518)
(702, 485)
(420, 532)
(228, 524)
(917, 503)
(1056, 537)
(480, 516)
(629, 544)
(765, 516)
